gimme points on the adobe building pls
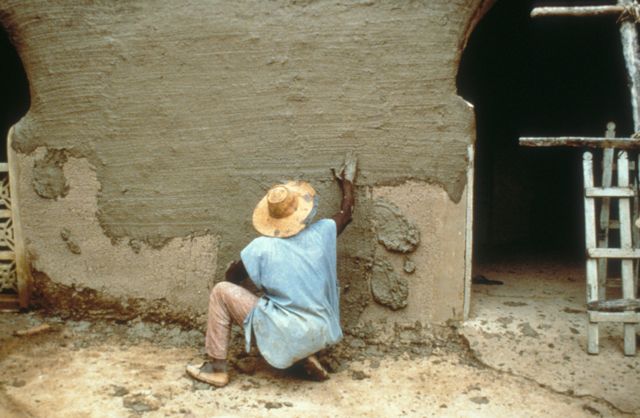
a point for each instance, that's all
(145, 132)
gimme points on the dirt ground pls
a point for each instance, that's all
(492, 366)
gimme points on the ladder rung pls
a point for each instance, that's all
(626, 317)
(613, 253)
(632, 165)
(609, 192)
(614, 305)
(5, 213)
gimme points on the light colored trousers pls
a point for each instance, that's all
(227, 302)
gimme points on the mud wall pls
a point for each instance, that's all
(155, 127)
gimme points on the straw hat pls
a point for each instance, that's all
(285, 210)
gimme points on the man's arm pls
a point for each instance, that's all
(345, 179)
(236, 272)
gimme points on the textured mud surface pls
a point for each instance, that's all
(189, 114)
(48, 178)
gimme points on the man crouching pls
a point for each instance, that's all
(294, 264)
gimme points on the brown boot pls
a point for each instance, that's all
(206, 373)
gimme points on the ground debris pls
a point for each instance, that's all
(479, 400)
(33, 330)
(247, 365)
(140, 402)
(512, 303)
(273, 405)
(18, 383)
(480, 279)
(591, 410)
(119, 391)
(359, 375)
(527, 330)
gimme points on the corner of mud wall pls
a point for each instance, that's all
(434, 271)
(23, 269)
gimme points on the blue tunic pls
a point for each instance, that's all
(299, 312)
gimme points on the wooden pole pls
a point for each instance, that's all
(581, 141)
(593, 336)
(23, 270)
(629, 37)
(577, 11)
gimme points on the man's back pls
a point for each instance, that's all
(299, 313)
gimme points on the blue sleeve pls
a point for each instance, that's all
(251, 256)
(330, 230)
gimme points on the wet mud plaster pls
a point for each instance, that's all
(186, 135)
(48, 178)
(409, 266)
(355, 289)
(393, 229)
(388, 288)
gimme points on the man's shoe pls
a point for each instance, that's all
(314, 369)
(205, 373)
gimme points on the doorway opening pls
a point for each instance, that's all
(14, 104)
(14, 89)
(551, 76)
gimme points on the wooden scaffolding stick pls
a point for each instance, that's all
(580, 141)
(578, 11)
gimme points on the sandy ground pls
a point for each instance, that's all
(534, 325)
(100, 369)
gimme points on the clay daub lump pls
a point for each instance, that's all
(393, 229)
(387, 287)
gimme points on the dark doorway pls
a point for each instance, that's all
(14, 90)
(550, 76)
(14, 103)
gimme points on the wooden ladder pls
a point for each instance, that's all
(599, 249)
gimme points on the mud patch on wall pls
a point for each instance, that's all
(73, 246)
(393, 229)
(48, 177)
(388, 288)
(409, 266)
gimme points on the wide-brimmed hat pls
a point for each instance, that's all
(285, 210)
